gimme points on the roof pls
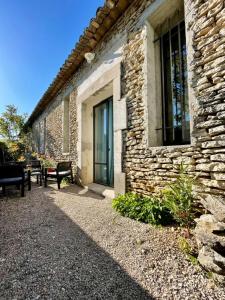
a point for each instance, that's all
(105, 18)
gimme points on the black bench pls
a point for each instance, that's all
(14, 175)
(63, 169)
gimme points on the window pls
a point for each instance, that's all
(66, 124)
(45, 133)
(175, 104)
(42, 136)
(39, 138)
(166, 88)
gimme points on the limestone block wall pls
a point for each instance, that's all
(108, 54)
(149, 168)
(53, 118)
(53, 115)
(208, 26)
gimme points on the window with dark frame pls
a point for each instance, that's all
(66, 125)
(39, 138)
(44, 137)
(176, 116)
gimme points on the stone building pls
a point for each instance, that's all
(152, 97)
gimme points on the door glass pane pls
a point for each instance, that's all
(110, 128)
(103, 143)
(101, 174)
(101, 134)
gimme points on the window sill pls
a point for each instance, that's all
(169, 147)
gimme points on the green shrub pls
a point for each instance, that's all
(178, 198)
(186, 247)
(65, 182)
(144, 209)
(48, 163)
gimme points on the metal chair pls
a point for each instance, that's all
(36, 170)
(63, 169)
(14, 175)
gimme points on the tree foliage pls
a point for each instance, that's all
(14, 143)
(11, 124)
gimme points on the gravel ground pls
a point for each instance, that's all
(70, 244)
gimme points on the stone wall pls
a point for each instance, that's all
(53, 116)
(149, 168)
(209, 84)
(54, 111)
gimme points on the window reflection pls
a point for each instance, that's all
(175, 93)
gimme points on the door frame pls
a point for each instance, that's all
(107, 153)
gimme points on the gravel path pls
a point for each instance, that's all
(70, 244)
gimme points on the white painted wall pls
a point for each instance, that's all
(108, 84)
(110, 57)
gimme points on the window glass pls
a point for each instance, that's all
(66, 124)
(176, 117)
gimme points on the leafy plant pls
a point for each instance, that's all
(16, 149)
(179, 199)
(193, 260)
(146, 209)
(209, 275)
(47, 162)
(186, 247)
(65, 182)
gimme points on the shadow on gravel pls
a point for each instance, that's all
(45, 255)
(79, 192)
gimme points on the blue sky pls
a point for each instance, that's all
(36, 37)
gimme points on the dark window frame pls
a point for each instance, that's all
(66, 124)
(175, 134)
(107, 101)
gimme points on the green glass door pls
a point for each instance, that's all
(103, 143)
